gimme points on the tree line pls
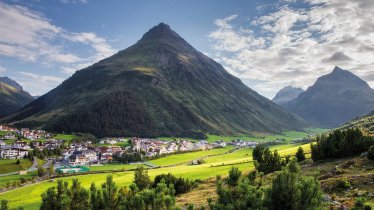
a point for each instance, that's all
(340, 143)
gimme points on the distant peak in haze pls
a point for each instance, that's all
(287, 94)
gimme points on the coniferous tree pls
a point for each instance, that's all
(79, 196)
(141, 178)
(234, 176)
(110, 194)
(300, 155)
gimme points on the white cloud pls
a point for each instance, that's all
(30, 37)
(294, 46)
(74, 1)
(37, 84)
(2, 69)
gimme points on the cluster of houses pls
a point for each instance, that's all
(153, 147)
(112, 140)
(241, 143)
(33, 134)
(86, 153)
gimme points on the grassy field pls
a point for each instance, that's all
(29, 196)
(187, 157)
(11, 178)
(9, 166)
(66, 137)
(115, 167)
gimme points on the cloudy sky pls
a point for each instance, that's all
(267, 44)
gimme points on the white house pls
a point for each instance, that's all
(9, 152)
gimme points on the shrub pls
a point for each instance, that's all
(371, 152)
(23, 180)
(41, 171)
(341, 184)
(18, 162)
(360, 204)
(180, 184)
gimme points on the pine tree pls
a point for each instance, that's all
(141, 178)
(300, 155)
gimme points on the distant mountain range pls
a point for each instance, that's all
(161, 86)
(12, 96)
(287, 94)
(333, 99)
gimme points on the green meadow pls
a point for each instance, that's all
(66, 137)
(9, 166)
(115, 167)
(188, 157)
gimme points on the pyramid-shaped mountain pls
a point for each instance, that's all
(160, 86)
(12, 96)
(334, 99)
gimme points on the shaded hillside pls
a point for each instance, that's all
(161, 86)
(12, 96)
(334, 99)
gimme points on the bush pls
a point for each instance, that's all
(4, 205)
(341, 184)
(18, 162)
(181, 185)
(41, 171)
(267, 161)
(360, 204)
(23, 180)
(371, 152)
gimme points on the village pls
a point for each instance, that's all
(21, 143)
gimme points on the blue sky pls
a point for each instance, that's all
(267, 44)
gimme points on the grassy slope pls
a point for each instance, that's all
(11, 178)
(29, 196)
(187, 157)
(365, 124)
(9, 166)
(358, 171)
(115, 167)
(288, 135)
